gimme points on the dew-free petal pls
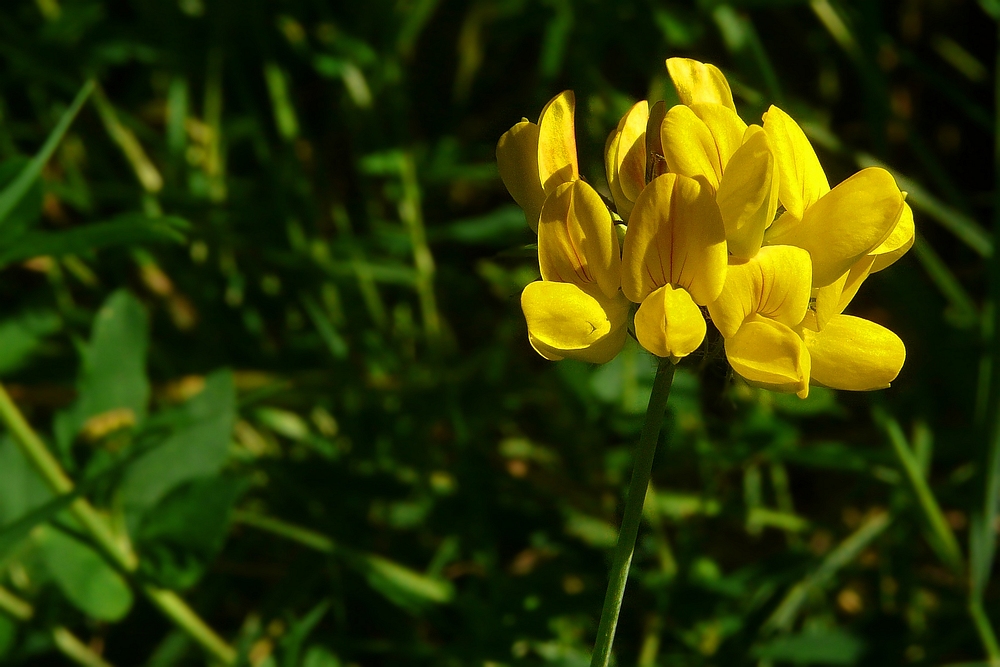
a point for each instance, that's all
(698, 82)
(577, 242)
(669, 323)
(565, 321)
(776, 283)
(854, 354)
(630, 157)
(803, 180)
(557, 161)
(688, 145)
(770, 355)
(517, 160)
(748, 194)
(845, 224)
(898, 243)
(675, 237)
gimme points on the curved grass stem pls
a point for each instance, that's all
(173, 606)
(633, 513)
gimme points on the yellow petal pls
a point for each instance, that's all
(564, 321)
(654, 142)
(727, 128)
(698, 140)
(899, 241)
(622, 203)
(803, 181)
(630, 159)
(748, 194)
(669, 323)
(845, 224)
(517, 159)
(768, 354)
(675, 237)
(577, 242)
(688, 145)
(854, 354)
(776, 283)
(835, 297)
(557, 162)
(699, 82)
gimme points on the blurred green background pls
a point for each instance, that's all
(261, 303)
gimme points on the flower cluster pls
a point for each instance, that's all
(708, 214)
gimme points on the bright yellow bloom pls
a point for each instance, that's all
(761, 305)
(700, 191)
(577, 310)
(673, 260)
(705, 137)
(534, 159)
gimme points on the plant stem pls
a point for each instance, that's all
(633, 512)
(945, 542)
(116, 551)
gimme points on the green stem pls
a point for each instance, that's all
(633, 512)
(119, 553)
(945, 542)
(985, 631)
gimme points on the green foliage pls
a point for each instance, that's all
(83, 576)
(260, 300)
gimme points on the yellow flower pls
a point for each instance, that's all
(700, 191)
(705, 137)
(823, 246)
(577, 310)
(760, 306)
(673, 260)
(534, 159)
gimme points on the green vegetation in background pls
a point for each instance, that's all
(261, 307)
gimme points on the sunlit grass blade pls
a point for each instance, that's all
(943, 539)
(13, 193)
(785, 614)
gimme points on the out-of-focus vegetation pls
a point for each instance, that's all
(261, 305)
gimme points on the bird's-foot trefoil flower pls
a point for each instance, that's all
(705, 212)
(673, 261)
(535, 159)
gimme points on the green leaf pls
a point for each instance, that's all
(22, 335)
(15, 192)
(991, 7)
(319, 656)
(84, 577)
(8, 635)
(292, 642)
(405, 587)
(129, 230)
(197, 448)
(113, 376)
(815, 647)
(28, 210)
(179, 537)
(21, 489)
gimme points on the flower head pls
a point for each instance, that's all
(722, 216)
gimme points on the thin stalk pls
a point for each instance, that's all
(74, 649)
(633, 512)
(15, 606)
(985, 631)
(116, 551)
(945, 542)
